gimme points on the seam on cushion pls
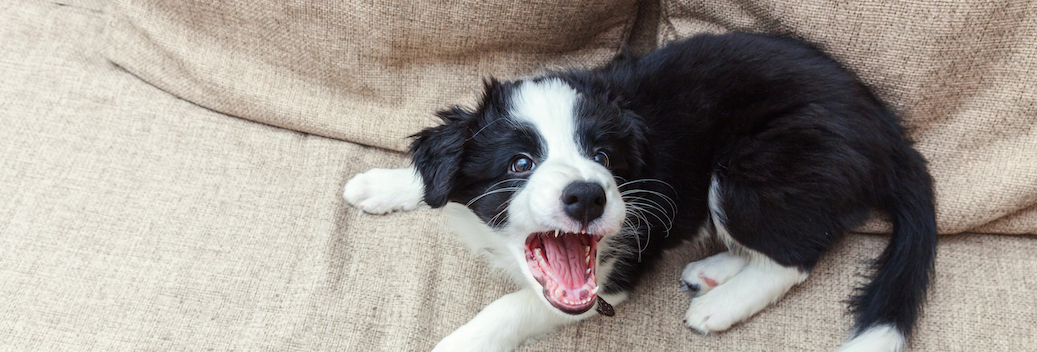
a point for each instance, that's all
(985, 226)
(669, 32)
(628, 30)
(642, 36)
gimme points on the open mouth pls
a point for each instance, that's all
(564, 263)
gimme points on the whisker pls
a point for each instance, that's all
(502, 205)
(634, 231)
(494, 218)
(630, 198)
(650, 180)
(507, 180)
(660, 195)
(488, 192)
(655, 206)
(639, 214)
(508, 189)
(653, 209)
(666, 224)
(481, 129)
(645, 199)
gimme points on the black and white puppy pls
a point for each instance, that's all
(575, 182)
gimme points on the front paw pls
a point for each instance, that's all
(382, 191)
(462, 341)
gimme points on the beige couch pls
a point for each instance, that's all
(171, 172)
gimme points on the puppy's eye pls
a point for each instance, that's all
(522, 163)
(602, 158)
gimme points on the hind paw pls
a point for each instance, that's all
(702, 276)
(749, 291)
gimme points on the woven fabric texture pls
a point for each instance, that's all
(367, 72)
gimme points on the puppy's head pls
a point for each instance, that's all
(538, 163)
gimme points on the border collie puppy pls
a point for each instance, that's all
(575, 182)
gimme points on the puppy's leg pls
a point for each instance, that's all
(509, 321)
(759, 284)
(382, 191)
(702, 276)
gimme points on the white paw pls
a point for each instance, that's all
(460, 341)
(382, 191)
(702, 276)
(713, 313)
(749, 291)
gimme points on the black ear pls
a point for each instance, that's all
(436, 154)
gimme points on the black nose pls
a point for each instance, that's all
(583, 201)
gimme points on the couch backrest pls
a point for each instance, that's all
(963, 73)
(371, 72)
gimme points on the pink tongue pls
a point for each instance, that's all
(567, 257)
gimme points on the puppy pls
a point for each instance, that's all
(575, 182)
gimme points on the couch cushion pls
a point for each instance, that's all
(961, 74)
(367, 72)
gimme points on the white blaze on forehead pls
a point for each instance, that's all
(550, 106)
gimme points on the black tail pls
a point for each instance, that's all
(895, 295)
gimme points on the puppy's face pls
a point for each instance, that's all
(538, 163)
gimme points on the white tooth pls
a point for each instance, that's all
(588, 259)
(556, 233)
(595, 290)
(539, 257)
(587, 250)
(588, 271)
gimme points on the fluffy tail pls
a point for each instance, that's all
(887, 307)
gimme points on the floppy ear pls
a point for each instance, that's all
(436, 154)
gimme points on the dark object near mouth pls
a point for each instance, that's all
(565, 263)
(604, 308)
